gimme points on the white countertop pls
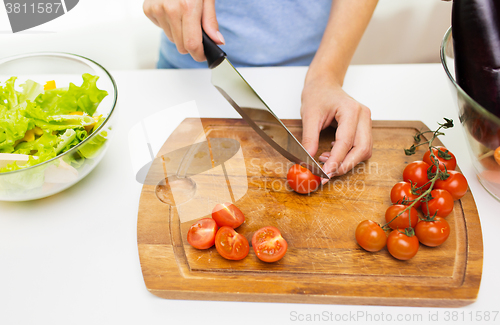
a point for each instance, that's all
(73, 259)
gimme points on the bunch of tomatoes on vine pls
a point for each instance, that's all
(431, 184)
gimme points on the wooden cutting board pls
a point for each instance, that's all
(323, 264)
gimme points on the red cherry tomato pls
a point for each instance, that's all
(228, 214)
(401, 246)
(301, 180)
(416, 173)
(402, 191)
(268, 244)
(441, 204)
(403, 221)
(432, 233)
(230, 244)
(201, 235)
(455, 184)
(370, 236)
(450, 163)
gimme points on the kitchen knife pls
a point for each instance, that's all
(254, 111)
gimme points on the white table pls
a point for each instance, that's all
(72, 258)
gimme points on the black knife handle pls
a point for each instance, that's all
(213, 53)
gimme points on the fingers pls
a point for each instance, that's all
(191, 31)
(166, 15)
(175, 24)
(209, 22)
(324, 157)
(311, 126)
(344, 137)
(361, 149)
(149, 9)
(182, 21)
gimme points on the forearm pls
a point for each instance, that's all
(346, 25)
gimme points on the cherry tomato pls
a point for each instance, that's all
(401, 246)
(450, 163)
(201, 235)
(416, 173)
(268, 244)
(432, 233)
(230, 244)
(301, 180)
(455, 184)
(370, 236)
(402, 191)
(497, 155)
(401, 222)
(441, 204)
(228, 214)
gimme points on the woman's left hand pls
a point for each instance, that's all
(325, 103)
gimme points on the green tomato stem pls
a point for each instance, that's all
(431, 182)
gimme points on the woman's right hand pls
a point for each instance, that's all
(182, 20)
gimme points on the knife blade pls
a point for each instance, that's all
(238, 92)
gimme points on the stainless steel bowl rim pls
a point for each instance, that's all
(96, 132)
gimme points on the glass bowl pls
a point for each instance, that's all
(482, 128)
(61, 172)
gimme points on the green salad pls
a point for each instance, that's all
(45, 121)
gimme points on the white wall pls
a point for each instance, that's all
(405, 31)
(116, 33)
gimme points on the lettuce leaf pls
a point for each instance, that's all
(26, 180)
(85, 98)
(47, 113)
(55, 122)
(66, 140)
(13, 127)
(8, 94)
(43, 146)
(31, 90)
(91, 148)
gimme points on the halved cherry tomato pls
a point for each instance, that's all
(432, 233)
(301, 180)
(230, 244)
(416, 173)
(201, 235)
(401, 246)
(228, 214)
(268, 244)
(441, 204)
(402, 192)
(450, 163)
(370, 236)
(455, 184)
(403, 221)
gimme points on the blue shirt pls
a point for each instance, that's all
(261, 33)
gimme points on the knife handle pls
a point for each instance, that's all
(213, 53)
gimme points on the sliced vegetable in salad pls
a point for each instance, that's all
(45, 121)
